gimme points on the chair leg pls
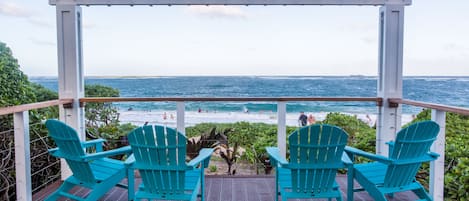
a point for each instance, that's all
(350, 175)
(97, 193)
(284, 198)
(391, 195)
(130, 184)
(276, 185)
(104, 186)
(422, 194)
(202, 183)
(65, 187)
(376, 194)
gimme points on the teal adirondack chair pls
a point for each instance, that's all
(90, 170)
(316, 153)
(396, 173)
(159, 153)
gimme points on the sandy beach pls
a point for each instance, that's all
(194, 117)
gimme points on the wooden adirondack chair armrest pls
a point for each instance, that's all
(431, 156)
(434, 155)
(97, 144)
(275, 158)
(346, 160)
(119, 151)
(57, 153)
(354, 151)
(204, 156)
(129, 161)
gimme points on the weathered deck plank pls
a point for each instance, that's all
(229, 188)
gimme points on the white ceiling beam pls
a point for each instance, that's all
(230, 2)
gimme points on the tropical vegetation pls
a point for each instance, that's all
(15, 89)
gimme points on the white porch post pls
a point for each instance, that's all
(71, 82)
(180, 117)
(391, 30)
(282, 128)
(22, 156)
(437, 167)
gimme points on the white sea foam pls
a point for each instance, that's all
(193, 117)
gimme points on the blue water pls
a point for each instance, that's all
(443, 90)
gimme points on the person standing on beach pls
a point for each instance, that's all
(369, 121)
(311, 119)
(302, 119)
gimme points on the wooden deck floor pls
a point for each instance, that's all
(227, 188)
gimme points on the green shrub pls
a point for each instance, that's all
(99, 114)
(212, 168)
(456, 155)
(255, 137)
(361, 135)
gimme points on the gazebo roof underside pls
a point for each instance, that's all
(230, 2)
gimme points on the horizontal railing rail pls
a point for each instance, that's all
(378, 100)
(441, 107)
(32, 106)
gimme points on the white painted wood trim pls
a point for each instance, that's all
(70, 64)
(282, 128)
(22, 156)
(232, 2)
(437, 167)
(180, 117)
(391, 33)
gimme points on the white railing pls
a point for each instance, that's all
(22, 144)
(437, 167)
(22, 156)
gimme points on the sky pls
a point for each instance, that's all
(239, 40)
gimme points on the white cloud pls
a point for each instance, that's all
(14, 10)
(88, 25)
(42, 42)
(369, 40)
(21, 11)
(232, 12)
(40, 22)
(364, 27)
(455, 47)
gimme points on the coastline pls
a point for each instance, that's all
(192, 118)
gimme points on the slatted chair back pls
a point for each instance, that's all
(66, 138)
(412, 143)
(160, 154)
(315, 157)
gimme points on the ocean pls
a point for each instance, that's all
(443, 90)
